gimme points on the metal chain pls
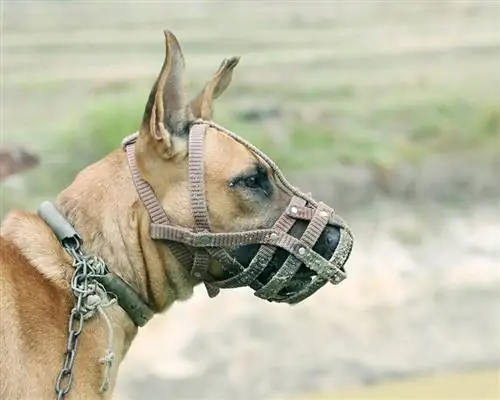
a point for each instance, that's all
(88, 295)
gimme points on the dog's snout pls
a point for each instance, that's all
(332, 236)
(328, 241)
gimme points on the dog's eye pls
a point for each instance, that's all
(252, 182)
(258, 182)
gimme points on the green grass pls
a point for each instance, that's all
(423, 130)
(345, 94)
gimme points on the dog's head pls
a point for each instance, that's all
(242, 191)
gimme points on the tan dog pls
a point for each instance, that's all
(102, 204)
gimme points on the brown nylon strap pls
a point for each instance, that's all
(340, 256)
(144, 190)
(306, 214)
(226, 260)
(314, 261)
(154, 208)
(199, 209)
(212, 291)
(207, 239)
(317, 282)
(343, 250)
(261, 260)
(197, 177)
(292, 263)
(246, 275)
(277, 172)
(338, 259)
(200, 265)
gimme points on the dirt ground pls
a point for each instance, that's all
(422, 298)
(422, 294)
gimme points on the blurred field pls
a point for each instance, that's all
(377, 84)
(379, 107)
(478, 385)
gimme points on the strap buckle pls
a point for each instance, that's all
(130, 139)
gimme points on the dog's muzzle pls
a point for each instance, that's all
(272, 281)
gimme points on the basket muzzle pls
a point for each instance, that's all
(306, 247)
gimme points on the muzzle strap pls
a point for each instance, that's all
(154, 209)
(208, 239)
(144, 190)
(197, 178)
(209, 246)
(198, 203)
(260, 261)
(306, 214)
(292, 263)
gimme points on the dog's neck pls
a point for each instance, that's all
(103, 206)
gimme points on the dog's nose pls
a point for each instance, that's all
(327, 242)
(332, 236)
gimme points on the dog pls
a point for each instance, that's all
(15, 159)
(109, 219)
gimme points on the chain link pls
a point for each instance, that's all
(88, 294)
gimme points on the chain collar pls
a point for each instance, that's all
(94, 287)
(90, 297)
(127, 298)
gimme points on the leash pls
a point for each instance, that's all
(95, 288)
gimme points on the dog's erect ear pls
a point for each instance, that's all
(202, 104)
(167, 113)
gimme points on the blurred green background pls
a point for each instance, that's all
(363, 102)
(375, 84)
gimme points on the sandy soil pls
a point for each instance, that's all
(422, 296)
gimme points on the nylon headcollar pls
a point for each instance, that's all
(208, 245)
